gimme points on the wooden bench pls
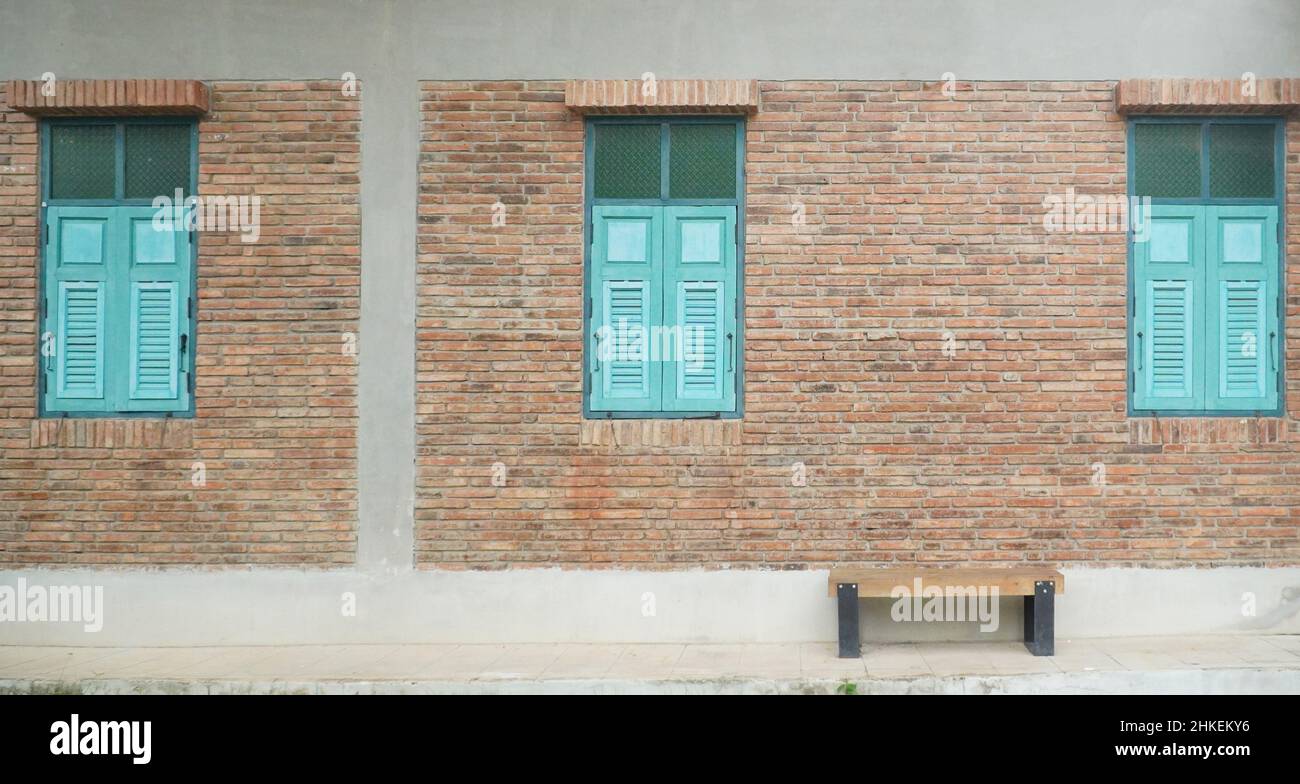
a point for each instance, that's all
(1038, 585)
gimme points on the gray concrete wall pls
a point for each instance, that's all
(549, 605)
(764, 39)
(390, 45)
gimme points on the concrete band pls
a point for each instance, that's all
(270, 607)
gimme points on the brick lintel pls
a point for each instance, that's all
(110, 97)
(1207, 96)
(662, 96)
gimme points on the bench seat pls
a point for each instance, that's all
(1038, 585)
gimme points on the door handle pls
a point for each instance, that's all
(1272, 349)
(731, 352)
(1139, 336)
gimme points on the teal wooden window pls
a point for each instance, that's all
(1205, 333)
(663, 310)
(117, 275)
(664, 254)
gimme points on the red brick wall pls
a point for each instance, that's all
(275, 423)
(924, 216)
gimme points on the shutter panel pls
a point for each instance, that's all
(626, 303)
(700, 288)
(80, 340)
(1242, 327)
(1169, 264)
(76, 291)
(155, 329)
(700, 312)
(155, 341)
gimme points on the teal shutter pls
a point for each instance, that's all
(117, 290)
(626, 307)
(1243, 337)
(1166, 338)
(151, 325)
(77, 296)
(700, 298)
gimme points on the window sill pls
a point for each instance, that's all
(103, 433)
(1209, 430)
(624, 433)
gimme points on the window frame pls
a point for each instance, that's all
(589, 200)
(119, 184)
(1278, 201)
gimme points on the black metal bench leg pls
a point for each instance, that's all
(1040, 619)
(850, 642)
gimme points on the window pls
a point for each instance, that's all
(663, 268)
(1204, 326)
(117, 281)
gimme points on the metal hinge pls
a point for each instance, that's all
(189, 307)
(40, 343)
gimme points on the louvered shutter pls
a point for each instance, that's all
(626, 307)
(1242, 331)
(154, 267)
(700, 309)
(74, 342)
(1168, 277)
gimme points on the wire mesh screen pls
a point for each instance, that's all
(1241, 161)
(1167, 160)
(702, 161)
(626, 161)
(157, 160)
(82, 161)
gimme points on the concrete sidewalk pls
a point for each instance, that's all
(1224, 664)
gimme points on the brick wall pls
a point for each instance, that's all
(275, 424)
(923, 217)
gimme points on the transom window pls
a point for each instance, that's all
(118, 160)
